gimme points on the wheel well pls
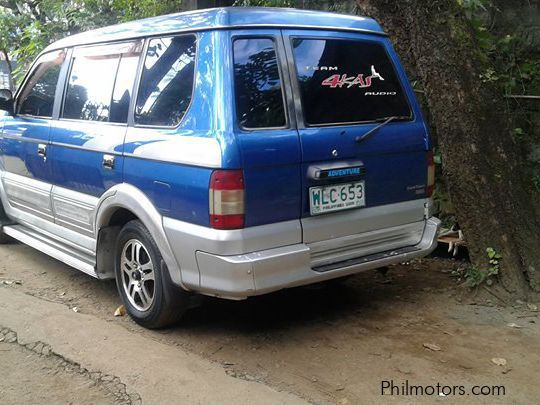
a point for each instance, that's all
(121, 217)
(106, 243)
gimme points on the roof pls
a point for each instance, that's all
(222, 18)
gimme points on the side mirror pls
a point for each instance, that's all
(6, 101)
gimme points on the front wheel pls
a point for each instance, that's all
(148, 296)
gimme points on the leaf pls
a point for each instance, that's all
(432, 346)
(120, 311)
(499, 361)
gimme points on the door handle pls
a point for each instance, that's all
(42, 150)
(108, 162)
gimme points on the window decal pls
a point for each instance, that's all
(350, 81)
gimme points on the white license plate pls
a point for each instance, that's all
(336, 197)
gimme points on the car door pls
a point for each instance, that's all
(265, 127)
(346, 85)
(87, 140)
(26, 167)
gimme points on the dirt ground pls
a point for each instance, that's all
(330, 344)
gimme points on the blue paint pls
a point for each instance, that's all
(275, 161)
(209, 19)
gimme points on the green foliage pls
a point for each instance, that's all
(536, 183)
(513, 61)
(494, 262)
(265, 3)
(330, 5)
(475, 276)
(519, 133)
(27, 27)
(128, 10)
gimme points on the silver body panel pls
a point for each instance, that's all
(256, 273)
(74, 210)
(28, 195)
(352, 222)
(231, 264)
(54, 248)
(218, 262)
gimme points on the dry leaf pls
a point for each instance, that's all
(432, 346)
(515, 325)
(499, 361)
(120, 311)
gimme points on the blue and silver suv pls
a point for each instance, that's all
(227, 152)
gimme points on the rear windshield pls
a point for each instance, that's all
(347, 81)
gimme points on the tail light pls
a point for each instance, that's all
(430, 174)
(227, 199)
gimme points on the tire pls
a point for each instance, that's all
(143, 282)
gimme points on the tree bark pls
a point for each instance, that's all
(483, 166)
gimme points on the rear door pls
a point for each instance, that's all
(345, 85)
(266, 128)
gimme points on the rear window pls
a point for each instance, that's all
(259, 96)
(347, 81)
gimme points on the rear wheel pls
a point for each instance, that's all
(142, 280)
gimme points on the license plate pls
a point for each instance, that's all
(336, 197)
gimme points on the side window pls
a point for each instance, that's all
(259, 95)
(167, 81)
(123, 88)
(37, 96)
(100, 82)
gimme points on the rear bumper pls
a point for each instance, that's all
(261, 272)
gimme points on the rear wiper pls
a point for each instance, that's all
(383, 121)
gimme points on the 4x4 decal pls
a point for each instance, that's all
(350, 81)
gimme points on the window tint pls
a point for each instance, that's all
(101, 81)
(259, 97)
(167, 81)
(127, 70)
(37, 97)
(90, 87)
(344, 81)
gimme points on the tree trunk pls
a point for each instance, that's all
(482, 164)
(8, 61)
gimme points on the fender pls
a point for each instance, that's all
(132, 199)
